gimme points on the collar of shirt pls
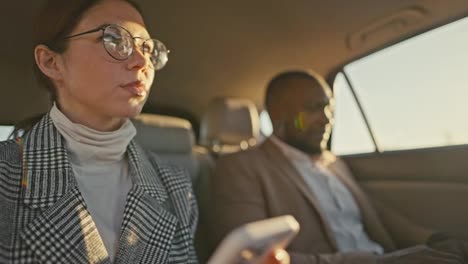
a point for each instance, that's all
(294, 155)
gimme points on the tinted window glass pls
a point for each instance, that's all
(414, 93)
(5, 131)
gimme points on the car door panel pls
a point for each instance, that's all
(429, 186)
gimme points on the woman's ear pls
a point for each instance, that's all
(48, 62)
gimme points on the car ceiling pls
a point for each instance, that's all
(231, 48)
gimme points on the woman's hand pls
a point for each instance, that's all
(279, 256)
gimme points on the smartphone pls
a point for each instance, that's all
(252, 242)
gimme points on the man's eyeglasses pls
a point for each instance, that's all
(120, 44)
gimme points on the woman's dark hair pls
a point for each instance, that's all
(54, 22)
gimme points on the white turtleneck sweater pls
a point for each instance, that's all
(101, 170)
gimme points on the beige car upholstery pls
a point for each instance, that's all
(229, 125)
(172, 139)
(428, 186)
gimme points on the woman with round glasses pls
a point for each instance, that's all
(75, 188)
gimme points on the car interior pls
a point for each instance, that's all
(208, 100)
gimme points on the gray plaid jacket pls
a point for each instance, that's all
(44, 219)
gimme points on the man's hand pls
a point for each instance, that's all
(420, 255)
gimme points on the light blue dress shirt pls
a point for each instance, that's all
(335, 201)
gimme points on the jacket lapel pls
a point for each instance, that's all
(65, 233)
(149, 224)
(61, 229)
(287, 169)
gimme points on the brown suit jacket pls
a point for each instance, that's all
(261, 183)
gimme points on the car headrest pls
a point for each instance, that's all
(230, 121)
(164, 134)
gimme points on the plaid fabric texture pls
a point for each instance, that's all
(44, 218)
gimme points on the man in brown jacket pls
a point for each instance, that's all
(291, 173)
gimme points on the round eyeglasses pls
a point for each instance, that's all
(120, 44)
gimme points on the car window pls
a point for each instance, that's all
(5, 132)
(350, 134)
(413, 95)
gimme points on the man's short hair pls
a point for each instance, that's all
(278, 83)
